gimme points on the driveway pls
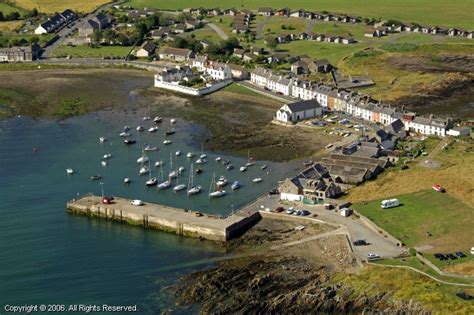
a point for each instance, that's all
(355, 228)
(217, 29)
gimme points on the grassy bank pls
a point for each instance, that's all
(51, 6)
(92, 52)
(433, 12)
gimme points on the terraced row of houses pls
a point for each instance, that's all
(55, 22)
(343, 101)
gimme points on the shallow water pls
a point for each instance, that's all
(50, 256)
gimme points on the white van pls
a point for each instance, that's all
(390, 203)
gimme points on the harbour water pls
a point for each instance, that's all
(50, 257)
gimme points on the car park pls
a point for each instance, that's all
(460, 254)
(304, 213)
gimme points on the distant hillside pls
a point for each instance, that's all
(50, 6)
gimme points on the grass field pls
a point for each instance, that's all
(10, 26)
(435, 12)
(86, 51)
(273, 25)
(51, 6)
(407, 285)
(446, 218)
(238, 89)
(205, 33)
(7, 8)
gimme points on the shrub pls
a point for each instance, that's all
(399, 47)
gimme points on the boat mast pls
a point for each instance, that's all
(191, 178)
(211, 189)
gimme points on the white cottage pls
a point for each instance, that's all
(299, 111)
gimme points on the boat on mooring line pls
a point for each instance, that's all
(215, 191)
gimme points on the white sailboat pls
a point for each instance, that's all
(107, 156)
(181, 169)
(140, 128)
(257, 180)
(250, 161)
(215, 191)
(103, 163)
(192, 189)
(178, 186)
(172, 120)
(151, 181)
(221, 182)
(102, 139)
(143, 158)
(163, 184)
(167, 142)
(69, 171)
(202, 156)
(172, 173)
(159, 163)
(190, 155)
(143, 168)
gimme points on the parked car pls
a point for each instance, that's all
(460, 254)
(440, 256)
(360, 243)
(279, 209)
(451, 256)
(328, 206)
(438, 188)
(137, 202)
(274, 191)
(106, 200)
(472, 250)
(304, 213)
(373, 256)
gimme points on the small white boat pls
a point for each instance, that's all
(190, 155)
(249, 164)
(102, 139)
(107, 156)
(203, 156)
(173, 174)
(144, 170)
(140, 128)
(178, 153)
(103, 163)
(146, 118)
(124, 134)
(257, 180)
(264, 166)
(167, 142)
(221, 182)
(194, 190)
(235, 185)
(181, 169)
(172, 120)
(201, 161)
(218, 159)
(242, 168)
(151, 182)
(157, 119)
(159, 163)
(153, 129)
(148, 148)
(126, 128)
(179, 187)
(217, 193)
(230, 167)
(164, 185)
(142, 159)
(69, 171)
(127, 180)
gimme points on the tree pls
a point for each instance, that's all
(2, 17)
(153, 21)
(12, 16)
(34, 40)
(96, 36)
(32, 13)
(271, 42)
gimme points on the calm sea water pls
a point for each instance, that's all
(49, 256)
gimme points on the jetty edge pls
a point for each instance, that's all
(165, 218)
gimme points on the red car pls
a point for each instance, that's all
(438, 188)
(279, 209)
(106, 200)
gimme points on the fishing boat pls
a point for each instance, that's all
(146, 118)
(218, 159)
(250, 161)
(178, 153)
(172, 120)
(170, 131)
(167, 142)
(124, 134)
(159, 163)
(140, 128)
(103, 163)
(257, 180)
(190, 155)
(143, 158)
(69, 171)
(107, 156)
(157, 119)
(102, 139)
(215, 191)
(181, 169)
(148, 148)
(242, 168)
(230, 167)
(126, 180)
(264, 166)
(235, 185)
(192, 189)
(153, 129)
(129, 141)
(96, 177)
(201, 161)
(221, 182)
(126, 128)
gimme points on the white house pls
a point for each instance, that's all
(218, 70)
(427, 126)
(147, 49)
(279, 84)
(303, 90)
(299, 111)
(322, 92)
(260, 76)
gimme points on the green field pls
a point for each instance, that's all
(447, 219)
(86, 51)
(274, 25)
(7, 8)
(433, 12)
(51, 6)
(239, 89)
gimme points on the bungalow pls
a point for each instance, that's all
(283, 12)
(238, 52)
(303, 36)
(347, 41)
(176, 54)
(161, 33)
(454, 32)
(320, 38)
(298, 13)
(265, 11)
(301, 110)
(180, 28)
(56, 21)
(215, 11)
(470, 35)
(147, 49)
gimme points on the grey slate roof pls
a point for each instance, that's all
(304, 105)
